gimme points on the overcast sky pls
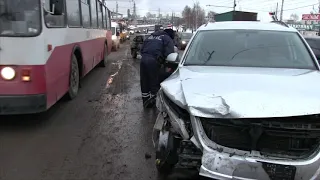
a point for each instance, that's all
(261, 6)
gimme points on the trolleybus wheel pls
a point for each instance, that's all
(74, 78)
(103, 63)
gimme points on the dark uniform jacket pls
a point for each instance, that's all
(158, 45)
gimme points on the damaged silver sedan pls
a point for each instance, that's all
(243, 104)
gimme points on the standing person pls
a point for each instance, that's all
(154, 51)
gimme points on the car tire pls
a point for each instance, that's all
(74, 79)
(166, 158)
(104, 61)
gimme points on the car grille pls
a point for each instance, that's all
(282, 137)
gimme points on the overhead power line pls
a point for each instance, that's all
(300, 7)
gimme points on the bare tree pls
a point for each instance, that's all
(187, 16)
(198, 14)
(211, 15)
(294, 17)
(149, 15)
(193, 17)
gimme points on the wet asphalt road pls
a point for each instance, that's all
(103, 134)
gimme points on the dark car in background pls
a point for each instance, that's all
(158, 27)
(137, 43)
(314, 43)
(183, 39)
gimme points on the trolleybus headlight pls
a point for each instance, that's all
(8, 73)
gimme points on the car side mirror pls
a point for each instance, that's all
(56, 7)
(173, 57)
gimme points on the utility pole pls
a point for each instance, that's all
(172, 18)
(196, 20)
(277, 10)
(159, 16)
(234, 9)
(134, 10)
(281, 12)
(117, 9)
(318, 21)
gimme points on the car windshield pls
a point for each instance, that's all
(113, 29)
(19, 17)
(249, 48)
(186, 35)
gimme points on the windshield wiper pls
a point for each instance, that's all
(210, 55)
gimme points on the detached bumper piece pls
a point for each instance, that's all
(23, 104)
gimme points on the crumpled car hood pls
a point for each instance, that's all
(238, 92)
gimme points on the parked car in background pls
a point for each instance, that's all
(151, 30)
(314, 43)
(115, 29)
(137, 43)
(183, 39)
(243, 104)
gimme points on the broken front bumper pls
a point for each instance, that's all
(227, 163)
(219, 162)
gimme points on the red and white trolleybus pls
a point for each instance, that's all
(46, 47)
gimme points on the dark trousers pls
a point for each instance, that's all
(149, 77)
(163, 75)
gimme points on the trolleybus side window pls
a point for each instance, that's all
(94, 20)
(108, 19)
(100, 15)
(53, 20)
(85, 12)
(104, 17)
(74, 19)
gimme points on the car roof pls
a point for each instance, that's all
(252, 25)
